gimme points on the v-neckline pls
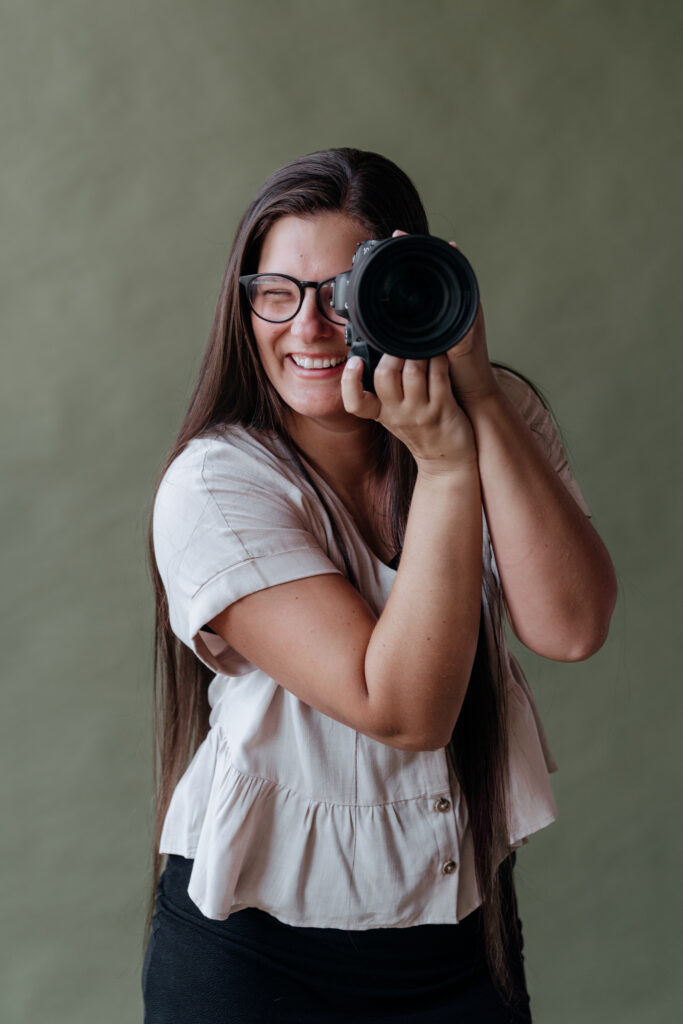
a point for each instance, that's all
(393, 562)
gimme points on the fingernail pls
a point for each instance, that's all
(353, 362)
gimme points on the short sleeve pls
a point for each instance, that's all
(540, 421)
(228, 522)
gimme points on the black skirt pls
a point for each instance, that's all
(253, 969)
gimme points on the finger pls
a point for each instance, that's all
(388, 379)
(439, 381)
(397, 233)
(361, 403)
(415, 381)
(454, 244)
(476, 334)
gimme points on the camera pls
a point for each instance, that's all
(413, 296)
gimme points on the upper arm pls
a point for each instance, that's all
(223, 529)
(556, 576)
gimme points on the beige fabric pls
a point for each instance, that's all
(282, 807)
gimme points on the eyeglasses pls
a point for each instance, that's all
(279, 297)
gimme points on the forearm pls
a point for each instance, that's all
(419, 658)
(556, 574)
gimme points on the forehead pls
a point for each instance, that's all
(312, 247)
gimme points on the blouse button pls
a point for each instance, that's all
(442, 804)
(448, 867)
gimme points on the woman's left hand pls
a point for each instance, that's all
(470, 370)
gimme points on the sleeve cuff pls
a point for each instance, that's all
(236, 582)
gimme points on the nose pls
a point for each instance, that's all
(309, 324)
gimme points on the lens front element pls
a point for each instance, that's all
(412, 298)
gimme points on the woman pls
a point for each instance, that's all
(365, 753)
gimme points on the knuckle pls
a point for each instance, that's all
(387, 359)
(384, 381)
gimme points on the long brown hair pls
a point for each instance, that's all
(233, 388)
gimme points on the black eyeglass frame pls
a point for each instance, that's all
(246, 279)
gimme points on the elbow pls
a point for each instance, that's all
(577, 640)
(417, 737)
(576, 644)
(583, 646)
(580, 629)
(591, 631)
(422, 719)
(419, 743)
(596, 630)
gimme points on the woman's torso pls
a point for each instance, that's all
(284, 808)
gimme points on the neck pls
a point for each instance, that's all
(345, 455)
(342, 451)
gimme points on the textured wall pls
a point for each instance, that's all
(545, 138)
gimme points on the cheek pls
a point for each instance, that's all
(265, 343)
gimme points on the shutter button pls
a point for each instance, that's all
(449, 867)
(442, 804)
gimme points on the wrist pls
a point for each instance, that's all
(438, 473)
(482, 400)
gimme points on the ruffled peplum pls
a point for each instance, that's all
(311, 863)
(317, 863)
(531, 804)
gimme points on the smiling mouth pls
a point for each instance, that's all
(323, 363)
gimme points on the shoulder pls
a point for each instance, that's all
(229, 520)
(539, 418)
(530, 404)
(233, 479)
(232, 460)
(227, 451)
(520, 392)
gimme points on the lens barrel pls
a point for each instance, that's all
(413, 296)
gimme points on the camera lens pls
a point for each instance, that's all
(416, 296)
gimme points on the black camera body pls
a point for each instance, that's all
(413, 296)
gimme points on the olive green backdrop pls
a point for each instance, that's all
(545, 138)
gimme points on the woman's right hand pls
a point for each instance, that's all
(414, 400)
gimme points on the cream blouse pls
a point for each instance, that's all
(282, 807)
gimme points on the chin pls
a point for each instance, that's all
(320, 410)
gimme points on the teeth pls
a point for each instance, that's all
(306, 363)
